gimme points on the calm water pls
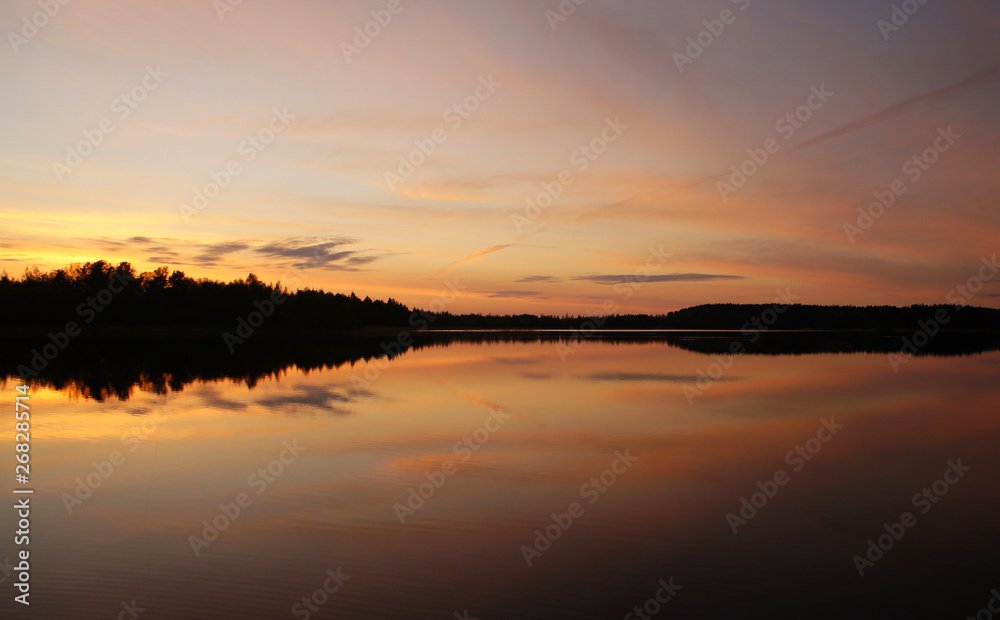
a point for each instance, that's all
(542, 429)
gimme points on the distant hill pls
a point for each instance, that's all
(798, 316)
(749, 317)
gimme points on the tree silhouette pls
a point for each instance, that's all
(163, 299)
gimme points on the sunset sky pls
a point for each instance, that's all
(502, 97)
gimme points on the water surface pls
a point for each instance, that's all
(542, 429)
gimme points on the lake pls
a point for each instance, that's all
(514, 478)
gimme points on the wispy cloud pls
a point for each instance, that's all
(536, 375)
(211, 254)
(327, 253)
(489, 250)
(644, 376)
(317, 252)
(905, 106)
(516, 294)
(671, 277)
(543, 279)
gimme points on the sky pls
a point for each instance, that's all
(535, 156)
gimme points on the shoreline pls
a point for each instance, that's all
(369, 332)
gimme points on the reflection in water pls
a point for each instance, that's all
(664, 518)
(115, 368)
(645, 376)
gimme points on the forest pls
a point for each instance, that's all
(108, 295)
